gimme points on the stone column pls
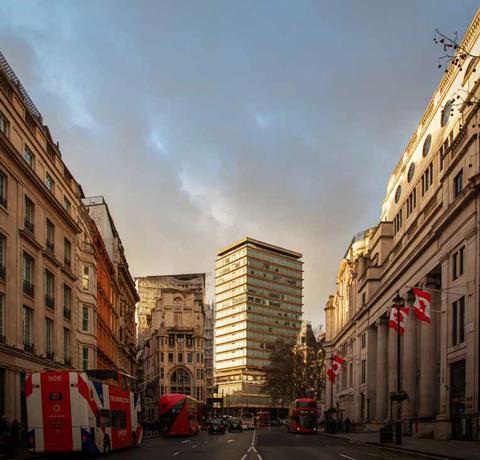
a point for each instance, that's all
(409, 372)
(392, 369)
(371, 372)
(381, 393)
(428, 359)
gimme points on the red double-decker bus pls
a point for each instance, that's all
(94, 411)
(180, 415)
(302, 416)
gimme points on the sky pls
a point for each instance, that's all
(202, 122)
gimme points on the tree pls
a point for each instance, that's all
(296, 370)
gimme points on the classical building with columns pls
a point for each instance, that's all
(428, 236)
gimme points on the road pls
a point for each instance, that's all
(261, 444)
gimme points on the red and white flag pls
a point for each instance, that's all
(334, 369)
(393, 321)
(423, 301)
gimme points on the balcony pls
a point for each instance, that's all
(29, 226)
(67, 313)
(28, 347)
(50, 246)
(28, 288)
(50, 355)
(3, 201)
(49, 302)
(2, 272)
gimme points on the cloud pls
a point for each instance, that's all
(202, 123)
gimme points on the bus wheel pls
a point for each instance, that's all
(106, 445)
(134, 439)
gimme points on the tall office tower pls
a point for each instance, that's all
(258, 301)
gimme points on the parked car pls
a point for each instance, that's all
(235, 425)
(217, 426)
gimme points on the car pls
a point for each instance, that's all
(235, 425)
(216, 426)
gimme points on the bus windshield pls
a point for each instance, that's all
(105, 375)
(307, 404)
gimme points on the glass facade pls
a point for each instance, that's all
(258, 292)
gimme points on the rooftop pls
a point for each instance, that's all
(261, 245)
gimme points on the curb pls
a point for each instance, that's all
(394, 448)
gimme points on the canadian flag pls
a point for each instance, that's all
(393, 321)
(335, 368)
(423, 301)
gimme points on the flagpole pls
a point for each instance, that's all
(399, 303)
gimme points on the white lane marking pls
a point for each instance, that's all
(244, 457)
(253, 437)
(175, 453)
(205, 442)
(193, 446)
(259, 456)
(186, 440)
(231, 440)
(347, 457)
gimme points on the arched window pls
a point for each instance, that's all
(181, 382)
(177, 301)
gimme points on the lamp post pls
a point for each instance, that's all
(398, 303)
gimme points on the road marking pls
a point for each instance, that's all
(175, 453)
(347, 457)
(244, 457)
(205, 442)
(186, 440)
(193, 446)
(253, 437)
(231, 440)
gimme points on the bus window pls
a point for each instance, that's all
(119, 419)
(103, 418)
(124, 382)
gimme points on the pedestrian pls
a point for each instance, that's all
(347, 425)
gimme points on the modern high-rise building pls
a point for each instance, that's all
(258, 301)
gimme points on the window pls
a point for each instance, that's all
(29, 214)
(446, 113)
(67, 252)
(364, 371)
(49, 289)
(397, 222)
(66, 345)
(28, 274)
(50, 243)
(3, 255)
(170, 357)
(398, 194)
(66, 204)
(427, 178)
(458, 321)
(86, 278)
(27, 329)
(85, 311)
(190, 357)
(28, 156)
(49, 337)
(67, 301)
(458, 184)
(426, 145)
(180, 357)
(411, 202)
(411, 172)
(3, 189)
(119, 419)
(49, 182)
(85, 358)
(4, 124)
(458, 263)
(364, 340)
(2, 332)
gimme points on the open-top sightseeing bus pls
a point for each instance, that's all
(92, 411)
(180, 415)
(302, 416)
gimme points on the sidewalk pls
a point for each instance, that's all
(455, 450)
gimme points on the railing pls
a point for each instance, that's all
(466, 427)
(11, 75)
(67, 313)
(50, 246)
(2, 272)
(28, 347)
(49, 302)
(29, 226)
(28, 288)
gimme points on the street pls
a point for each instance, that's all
(263, 443)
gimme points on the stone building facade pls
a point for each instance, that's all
(123, 290)
(428, 236)
(173, 356)
(38, 233)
